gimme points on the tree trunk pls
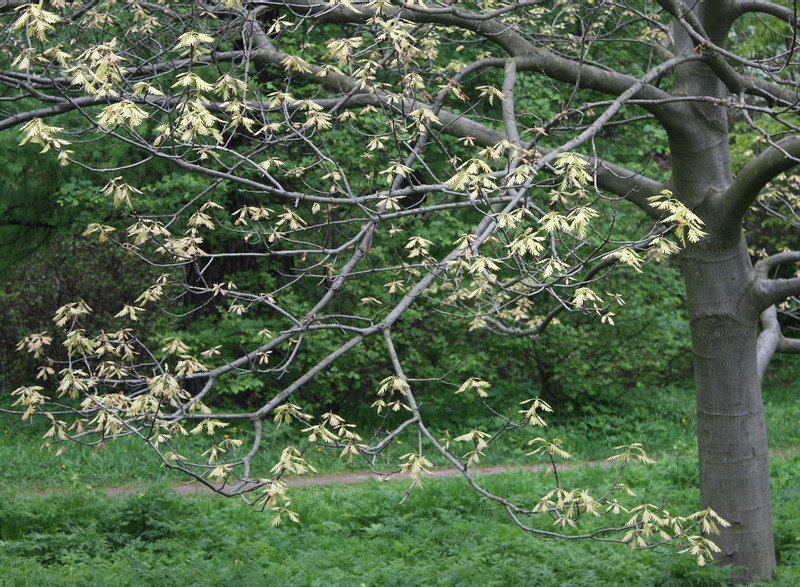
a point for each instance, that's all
(731, 428)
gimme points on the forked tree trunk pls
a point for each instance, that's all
(731, 428)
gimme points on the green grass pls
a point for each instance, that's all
(589, 434)
(662, 419)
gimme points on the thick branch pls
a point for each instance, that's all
(528, 57)
(714, 56)
(611, 177)
(736, 83)
(509, 110)
(757, 174)
(46, 112)
(784, 13)
(772, 341)
(773, 291)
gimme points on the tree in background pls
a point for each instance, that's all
(490, 161)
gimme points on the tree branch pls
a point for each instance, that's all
(784, 13)
(631, 185)
(528, 56)
(714, 56)
(614, 178)
(486, 228)
(773, 291)
(551, 315)
(772, 341)
(758, 172)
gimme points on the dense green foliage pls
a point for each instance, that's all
(578, 359)
(63, 269)
(352, 536)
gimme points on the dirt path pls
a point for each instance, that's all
(346, 478)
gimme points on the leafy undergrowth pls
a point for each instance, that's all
(353, 535)
(349, 535)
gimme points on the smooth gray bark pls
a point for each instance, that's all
(724, 316)
(731, 428)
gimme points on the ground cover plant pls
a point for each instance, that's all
(350, 535)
